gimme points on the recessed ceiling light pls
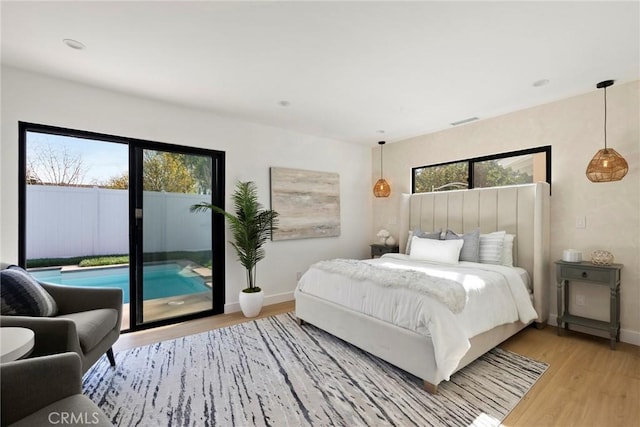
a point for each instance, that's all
(380, 131)
(73, 44)
(284, 103)
(542, 82)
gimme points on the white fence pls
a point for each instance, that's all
(71, 221)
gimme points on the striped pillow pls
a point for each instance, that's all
(491, 247)
(22, 295)
(507, 250)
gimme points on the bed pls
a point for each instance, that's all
(521, 210)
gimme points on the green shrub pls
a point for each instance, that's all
(52, 262)
(200, 257)
(105, 260)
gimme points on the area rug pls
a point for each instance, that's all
(273, 372)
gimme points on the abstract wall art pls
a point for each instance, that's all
(308, 203)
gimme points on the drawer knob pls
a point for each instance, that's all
(584, 274)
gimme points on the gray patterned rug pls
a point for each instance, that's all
(272, 372)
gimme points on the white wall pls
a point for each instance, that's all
(67, 221)
(250, 150)
(573, 127)
(79, 221)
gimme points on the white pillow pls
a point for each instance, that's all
(421, 234)
(491, 247)
(507, 250)
(442, 251)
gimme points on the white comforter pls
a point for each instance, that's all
(495, 295)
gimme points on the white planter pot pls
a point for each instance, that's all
(251, 303)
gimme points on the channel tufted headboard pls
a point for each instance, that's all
(522, 210)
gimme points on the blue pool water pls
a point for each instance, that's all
(160, 281)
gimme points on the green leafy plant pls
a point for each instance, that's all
(105, 260)
(251, 227)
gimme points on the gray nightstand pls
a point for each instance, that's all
(378, 250)
(604, 275)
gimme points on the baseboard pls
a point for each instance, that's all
(268, 300)
(626, 335)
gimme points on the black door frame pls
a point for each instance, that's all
(135, 198)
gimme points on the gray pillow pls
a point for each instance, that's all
(22, 295)
(423, 235)
(470, 248)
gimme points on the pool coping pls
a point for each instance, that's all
(202, 271)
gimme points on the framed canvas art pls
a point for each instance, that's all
(308, 203)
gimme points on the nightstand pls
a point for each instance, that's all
(603, 275)
(377, 250)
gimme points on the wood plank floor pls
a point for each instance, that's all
(163, 333)
(587, 384)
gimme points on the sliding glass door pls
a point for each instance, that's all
(177, 270)
(104, 210)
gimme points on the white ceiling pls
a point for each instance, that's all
(348, 69)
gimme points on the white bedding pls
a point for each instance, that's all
(495, 295)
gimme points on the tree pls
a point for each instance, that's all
(32, 179)
(164, 171)
(430, 178)
(117, 182)
(200, 168)
(485, 174)
(169, 172)
(492, 174)
(47, 165)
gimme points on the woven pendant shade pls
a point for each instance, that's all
(382, 188)
(607, 165)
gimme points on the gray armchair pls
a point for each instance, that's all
(42, 390)
(87, 323)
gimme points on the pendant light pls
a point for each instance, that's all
(607, 165)
(382, 188)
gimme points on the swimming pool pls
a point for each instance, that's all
(160, 280)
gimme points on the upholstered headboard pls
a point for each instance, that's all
(522, 210)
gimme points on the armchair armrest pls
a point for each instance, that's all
(52, 335)
(31, 384)
(72, 299)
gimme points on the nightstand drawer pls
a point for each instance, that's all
(577, 273)
(379, 250)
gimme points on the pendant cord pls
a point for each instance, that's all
(605, 118)
(382, 173)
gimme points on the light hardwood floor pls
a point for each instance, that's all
(587, 384)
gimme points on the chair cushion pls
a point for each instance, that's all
(22, 295)
(93, 325)
(76, 410)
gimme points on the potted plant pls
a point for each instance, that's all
(251, 226)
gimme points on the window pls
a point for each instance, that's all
(443, 177)
(516, 167)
